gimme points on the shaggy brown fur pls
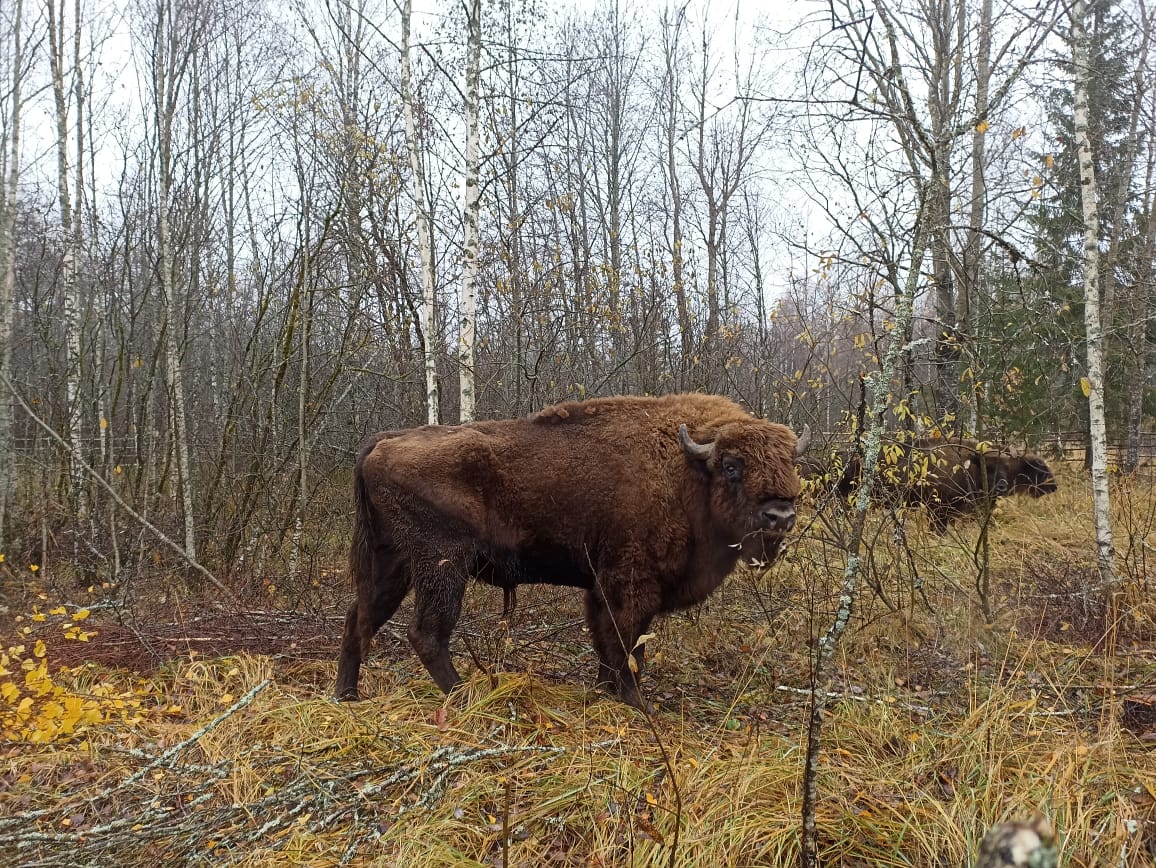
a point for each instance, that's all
(611, 495)
(947, 477)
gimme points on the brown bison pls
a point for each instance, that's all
(952, 478)
(645, 503)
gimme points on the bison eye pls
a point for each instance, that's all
(733, 470)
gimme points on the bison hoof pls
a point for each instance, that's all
(349, 694)
(631, 697)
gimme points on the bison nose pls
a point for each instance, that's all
(777, 515)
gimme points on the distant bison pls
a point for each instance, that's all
(645, 503)
(952, 478)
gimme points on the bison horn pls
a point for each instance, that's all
(701, 451)
(803, 442)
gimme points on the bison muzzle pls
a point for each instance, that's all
(646, 504)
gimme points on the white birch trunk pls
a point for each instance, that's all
(972, 254)
(302, 398)
(469, 300)
(424, 229)
(1092, 325)
(166, 86)
(68, 270)
(8, 272)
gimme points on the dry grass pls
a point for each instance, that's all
(945, 725)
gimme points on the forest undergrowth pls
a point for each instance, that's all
(199, 732)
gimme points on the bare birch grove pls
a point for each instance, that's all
(215, 287)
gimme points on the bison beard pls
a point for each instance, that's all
(647, 504)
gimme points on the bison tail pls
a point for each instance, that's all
(366, 529)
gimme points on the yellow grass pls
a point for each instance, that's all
(945, 724)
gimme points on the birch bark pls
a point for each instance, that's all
(167, 72)
(469, 301)
(424, 228)
(1095, 337)
(8, 269)
(70, 242)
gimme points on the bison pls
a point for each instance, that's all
(646, 504)
(952, 478)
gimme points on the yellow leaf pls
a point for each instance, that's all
(33, 567)
(1049, 161)
(650, 799)
(39, 616)
(81, 614)
(59, 610)
(9, 691)
(982, 127)
(103, 423)
(1086, 387)
(39, 650)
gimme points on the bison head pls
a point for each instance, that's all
(1030, 475)
(752, 481)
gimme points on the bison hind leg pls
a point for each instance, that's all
(438, 596)
(375, 605)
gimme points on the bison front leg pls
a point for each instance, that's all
(614, 632)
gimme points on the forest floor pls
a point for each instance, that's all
(204, 734)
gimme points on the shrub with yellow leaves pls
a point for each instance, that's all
(36, 705)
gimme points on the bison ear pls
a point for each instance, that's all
(700, 451)
(804, 441)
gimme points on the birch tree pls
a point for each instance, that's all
(972, 255)
(414, 144)
(9, 160)
(177, 32)
(469, 300)
(1094, 387)
(70, 227)
(671, 134)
